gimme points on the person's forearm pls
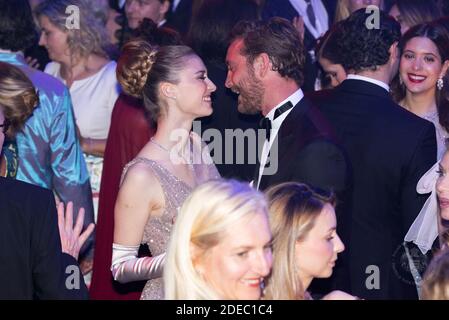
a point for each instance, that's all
(127, 267)
(93, 147)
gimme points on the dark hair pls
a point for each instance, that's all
(142, 67)
(17, 29)
(149, 31)
(279, 39)
(209, 31)
(328, 46)
(366, 48)
(438, 34)
(415, 12)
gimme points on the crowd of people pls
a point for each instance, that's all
(224, 149)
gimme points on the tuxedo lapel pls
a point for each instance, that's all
(286, 142)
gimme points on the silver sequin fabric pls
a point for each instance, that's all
(157, 229)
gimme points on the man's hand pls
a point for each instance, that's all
(71, 237)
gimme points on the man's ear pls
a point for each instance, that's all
(262, 65)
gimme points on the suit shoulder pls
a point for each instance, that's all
(20, 190)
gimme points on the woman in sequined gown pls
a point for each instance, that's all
(174, 85)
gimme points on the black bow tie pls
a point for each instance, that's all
(265, 123)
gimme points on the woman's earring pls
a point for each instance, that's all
(440, 83)
(400, 81)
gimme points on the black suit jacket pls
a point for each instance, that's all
(32, 265)
(389, 149)
(306, 151)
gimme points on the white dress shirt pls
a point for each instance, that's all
(275, 126)
(371, 80)
(321, 16)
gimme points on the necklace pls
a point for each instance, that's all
(153, 141)
(159, 145)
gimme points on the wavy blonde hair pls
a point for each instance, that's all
(436, 278)
(294, 208)
(90, 38)
(18, 97)
(203, 221)
(342, 10)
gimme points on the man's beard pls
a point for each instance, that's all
(251, 94)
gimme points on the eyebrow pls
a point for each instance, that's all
(431, 53)
(200, 71)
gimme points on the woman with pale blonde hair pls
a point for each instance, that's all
(305, 241)
(221, 244)
(346, 7)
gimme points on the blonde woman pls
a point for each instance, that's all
(346, 7)
(436, 279)
(173, 82)
(79, 60)
(221, 244)
(305, 241)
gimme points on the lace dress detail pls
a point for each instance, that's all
(441, 133)
(157, 229)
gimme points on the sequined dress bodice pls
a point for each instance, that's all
(158, 228)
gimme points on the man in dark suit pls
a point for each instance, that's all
(265, 62)
(317, 15)
(389, 149)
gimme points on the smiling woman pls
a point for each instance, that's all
(220, 248)
(421, 86)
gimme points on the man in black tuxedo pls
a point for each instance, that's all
(317, 15)
(389, 149)
(265, 62)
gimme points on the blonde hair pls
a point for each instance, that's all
(90, 38)
(342, 10)
(142, 67)
(436, 278)
(203, 220)
(18, 97)
(293, 209)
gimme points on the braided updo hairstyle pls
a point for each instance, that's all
(142, 67)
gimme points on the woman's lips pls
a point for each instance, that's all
(413, 78)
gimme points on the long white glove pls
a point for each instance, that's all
(127, 267)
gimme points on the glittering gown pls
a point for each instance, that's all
(157, 229)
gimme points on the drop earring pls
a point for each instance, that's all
(440, 84)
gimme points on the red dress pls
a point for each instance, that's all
(129, 132)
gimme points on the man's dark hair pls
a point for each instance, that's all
(210, 27)
(364, 46)
(17, 29)
(279, 39)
